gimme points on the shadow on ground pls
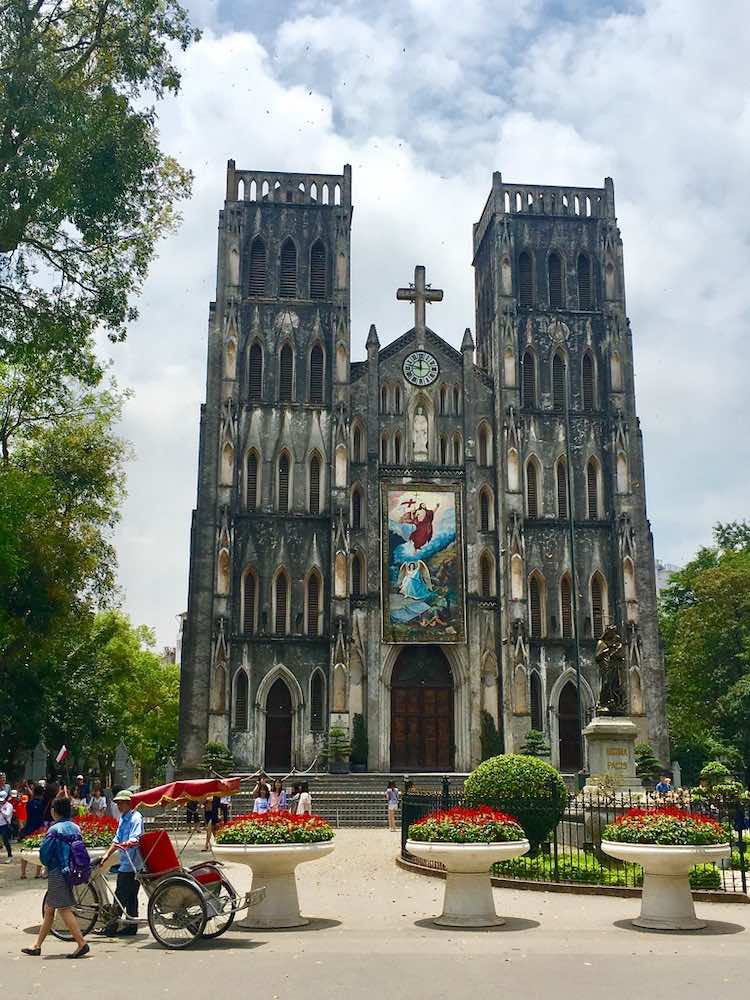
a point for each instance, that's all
(511, 924)
(713, 928)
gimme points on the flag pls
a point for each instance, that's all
(64, 752)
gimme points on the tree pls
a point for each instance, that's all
(85, 191)
(705, 623)
(646, 763)
(217, 760)
(535, 744)
(492, 743)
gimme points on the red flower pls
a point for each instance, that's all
(670, 811)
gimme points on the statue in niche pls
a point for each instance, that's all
(339, 687)
(610, 657)
(419, 434)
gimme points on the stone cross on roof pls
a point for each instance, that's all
(419, 293)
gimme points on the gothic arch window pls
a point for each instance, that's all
(384, 399)
(230, 359)
(566, 607)
(509, 367)
(615, 371)
(317, 701)
(485, 445)
(257, 267)
(286, 374)
(223, 572)
(281, 603)
(283, 483)
(443, 449)
(592, 489)
(456, 449)
(486, 575)
(631, 599)
(486, 514)
(528, 374)
(588, 382)
(516, 577)
(561, 476)
(397, 448)
(525, 280)
(317, 367)
(358, 575)
(583, 268)
(255, 372)
(397, 399)
(252, 481)
(288, 270)
(555, 280)
(227, 464)
(314, 483)
(356, 509)
(313, 603)
(241, 701)
(537, 614)
(318, 270)
(342, 364)
(537, 715)
(514, 472)
(443, 400)
(623, 484)
(384, 448)
(456, 400)
(533, 484)
(357, 443)
(249, 602)
(559, 379)
(599, 604)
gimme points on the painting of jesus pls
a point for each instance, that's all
(423, 597)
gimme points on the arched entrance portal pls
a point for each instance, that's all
(278, 755)
(569, 729)
(422, 710)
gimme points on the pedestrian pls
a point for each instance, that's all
(392, 797)
(224, 803)
(304, 803)
(293, 799)
(277, 797)
(262, 801)
(97, 804)
(191, 814)
(51, 791)
(6, 823)
(211, 818)
(260, 783)
(22, 805)
(4, 786)
(664, 784)
(34, 823)
(127, 838)
(55, 854)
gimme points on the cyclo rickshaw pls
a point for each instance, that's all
(184, 904)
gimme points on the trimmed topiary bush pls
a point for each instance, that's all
(526, 787)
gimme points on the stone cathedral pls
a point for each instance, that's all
(431, 535)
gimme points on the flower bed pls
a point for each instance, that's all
(274, 828)
(467, 826)
(666, 827)
(97, 831)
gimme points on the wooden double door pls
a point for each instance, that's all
(278, 755)
(422, 711)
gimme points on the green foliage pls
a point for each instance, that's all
(646, 764)
(337, 745)
(526, 787)
(535, 744)
(275, 828)
(706, 877)
(85, 191)
(492, 741)
(714, 773)
(217, 760)
(467, 826)
(586, 869)
(360, 746)
(664, 826)
(705, 624)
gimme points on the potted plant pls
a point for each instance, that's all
(360, 747)
(97, 831)
(272, 845)
(337, 750)
(468, 842)
(667, 843)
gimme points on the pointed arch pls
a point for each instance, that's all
(514, 471)
(249, 601)
(566, 607)
(342, 364)
(357, 442)
(583, 270)
(286, 374)
(223, 573)
(384, 449)
(317, 701)
(443, 400)
(230, 359)
(486, 574)
(555, 280)
(525, 280)
(457, 448)
(486, 509)
(281, 602)
(593, 489)
(384, 399)
(537, 606)
(397, 399)
(241, 701)
(631, 596)
(598, 594)
(561, 483)
(258, 268)
(588, 382)
(528, 375)
(340, 462)
(509, 367)
(314, 483)
(314, 603)
(283, 482)
(317, 374)
(484, 439)
(288, 269)
(559, 381)
(358, 574)
(255, 372)
(623, 480)
(357, 508)
(443, 449)
(456, 400)
(227, 464)
(615, 371)
(533, 487)
(318, 270)
(537, 702)
(397, 448)
(252, 480)
(516, 577)
(340, 575)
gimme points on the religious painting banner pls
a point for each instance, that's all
(422, 556)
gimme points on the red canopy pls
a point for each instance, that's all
(186, 791)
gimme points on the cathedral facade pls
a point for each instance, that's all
(432, 538)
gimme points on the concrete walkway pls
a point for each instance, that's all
(370, 937)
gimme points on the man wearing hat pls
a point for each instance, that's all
(127, 837)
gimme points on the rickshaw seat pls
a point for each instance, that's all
(205, 874)
(158, 853)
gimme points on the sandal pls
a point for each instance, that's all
(34, 952)
(80, 952)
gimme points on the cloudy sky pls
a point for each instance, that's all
(425, 98)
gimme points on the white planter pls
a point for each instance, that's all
(667, 902)
(95, 853)
(468, 898)
(273, 866)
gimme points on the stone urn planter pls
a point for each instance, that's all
(468, 898)
(667, 902)
(273, 866)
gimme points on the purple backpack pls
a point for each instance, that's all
(78, 869)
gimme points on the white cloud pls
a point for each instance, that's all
(425, 100)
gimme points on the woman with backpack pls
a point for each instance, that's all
(54, 854)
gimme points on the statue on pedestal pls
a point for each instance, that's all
(610, 657)
(419, 436)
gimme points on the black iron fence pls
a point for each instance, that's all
(571, 851)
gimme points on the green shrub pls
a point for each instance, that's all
(646, 764)
(337, 745)
(535, 744)
(360, 745)
(217, 759)
(714, 773)
(492, 743)
(526, 787)
(705, 877)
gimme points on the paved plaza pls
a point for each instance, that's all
(370, 937)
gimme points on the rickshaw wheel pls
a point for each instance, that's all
(86, 911)
(177, 912)
(226, 895)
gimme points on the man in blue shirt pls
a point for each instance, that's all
(126, 840)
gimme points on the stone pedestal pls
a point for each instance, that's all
(611, 750)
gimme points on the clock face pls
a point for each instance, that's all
(421, 368)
